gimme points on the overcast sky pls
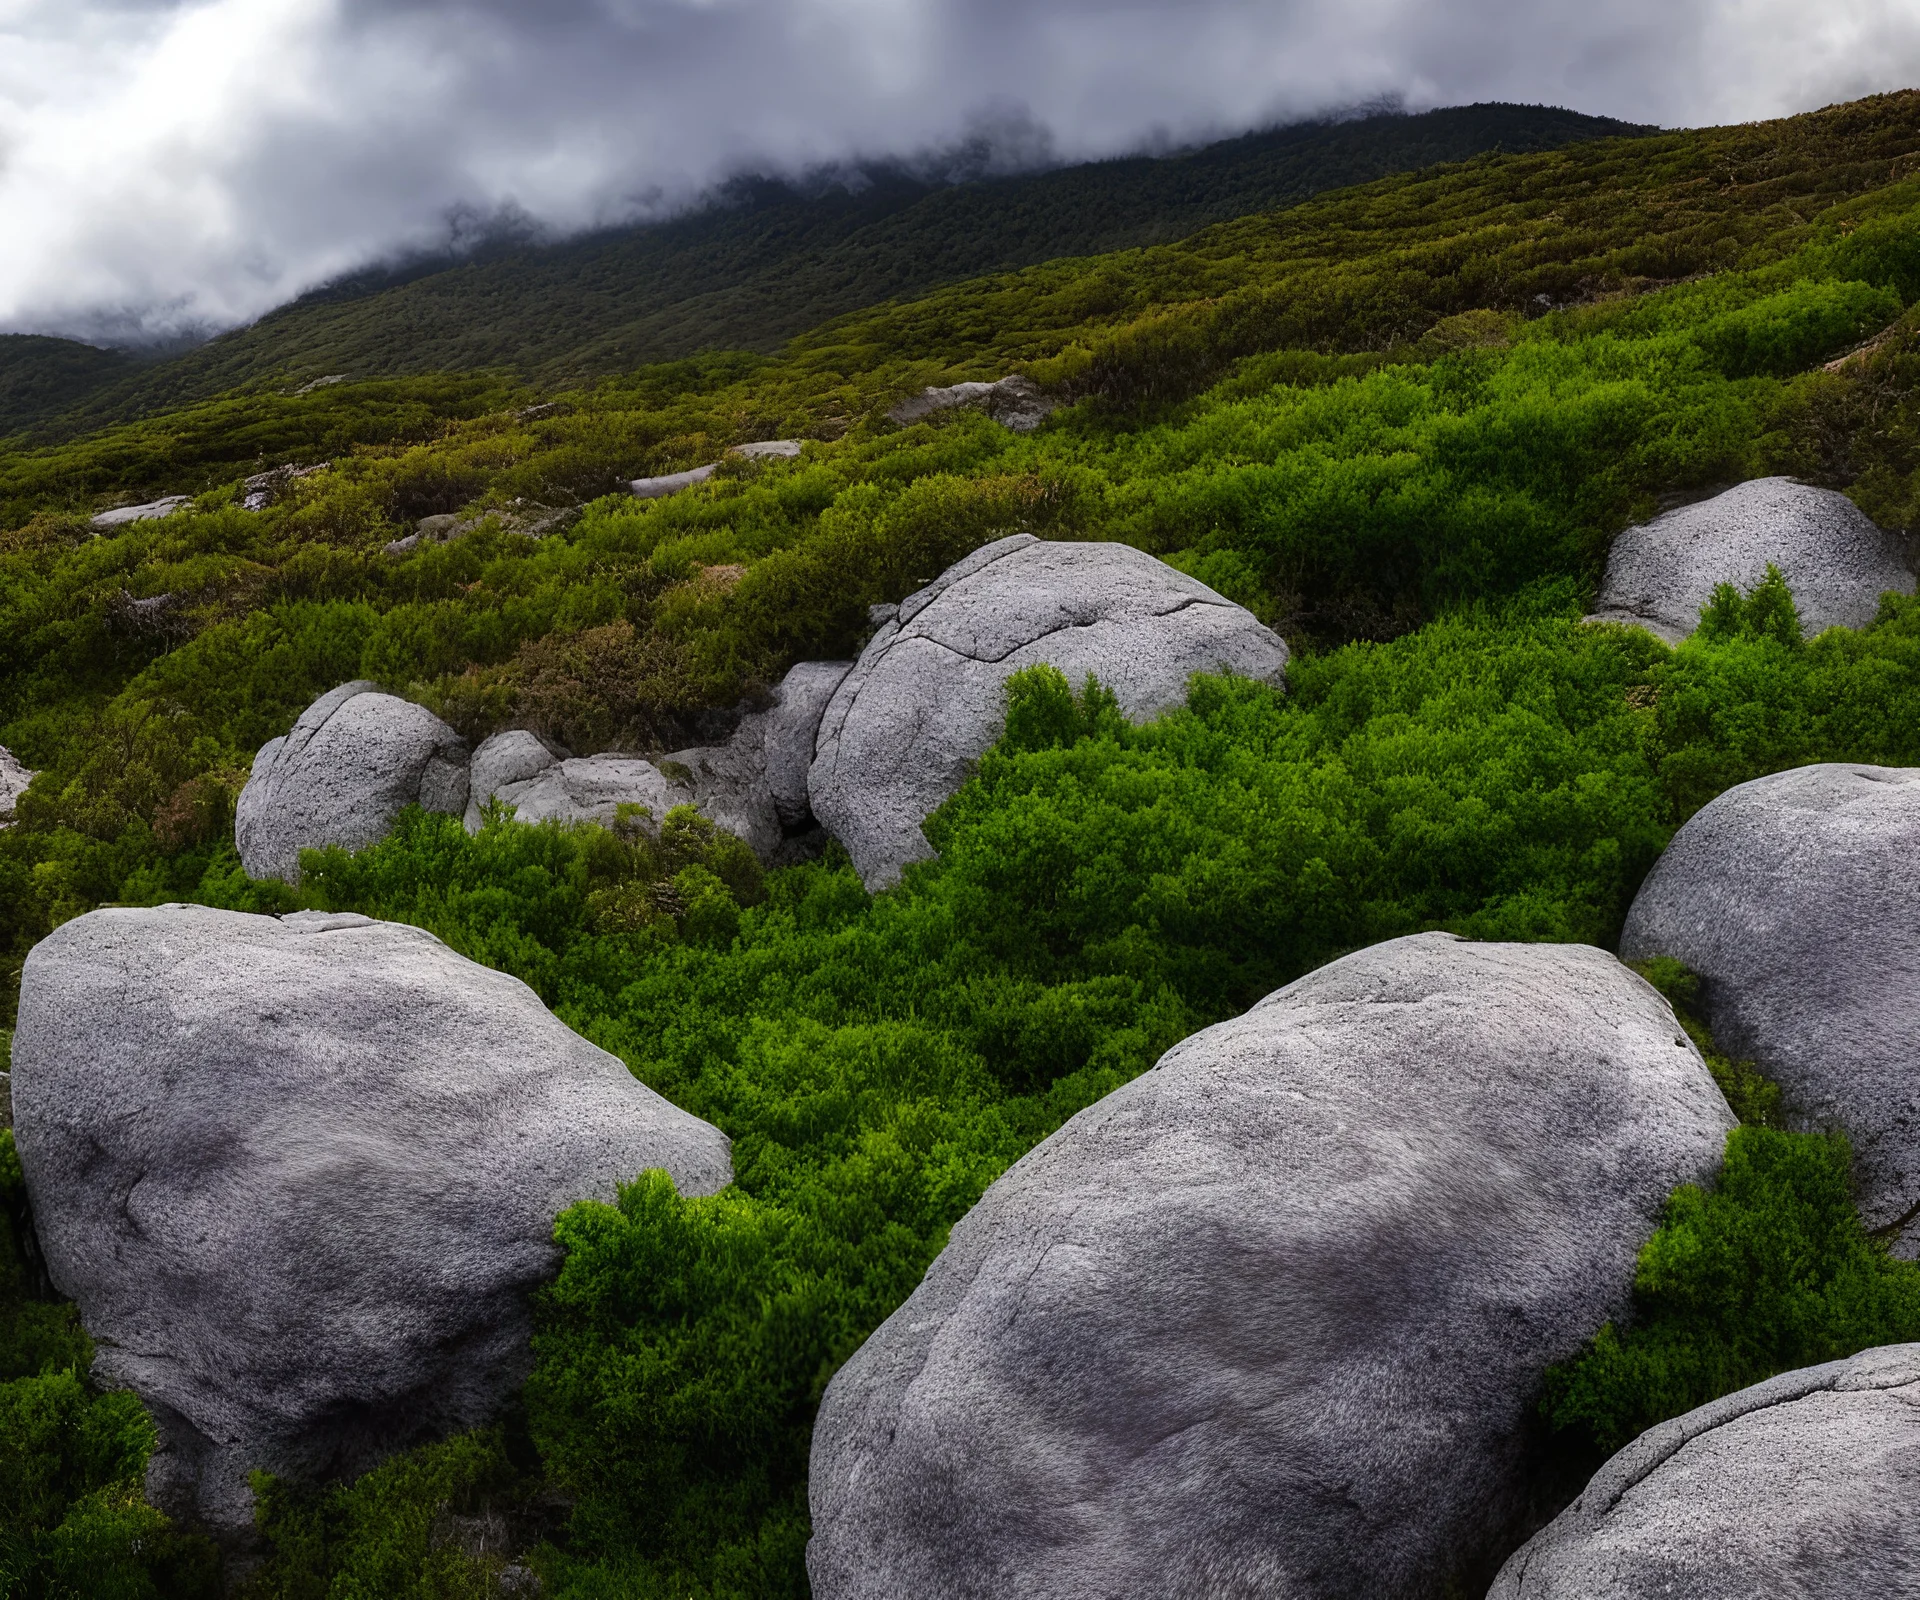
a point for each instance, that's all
(175, 163)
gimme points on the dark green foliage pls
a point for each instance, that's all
(41, 378)
(72, 1520)
(1767, 1271)
(767, 260)
(433, 1524)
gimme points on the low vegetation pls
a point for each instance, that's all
(1348, 417)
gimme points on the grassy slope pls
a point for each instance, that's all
(42, 378)
(772, 261)
(1341, 407)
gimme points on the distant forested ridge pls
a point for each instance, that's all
(766, 259)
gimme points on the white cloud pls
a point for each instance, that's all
(182, 163)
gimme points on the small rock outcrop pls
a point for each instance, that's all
(152, 511)
(1801, 1486)
(754, 785)
(1835, 560)
(299, 1175)
(790, 730)
(1014, 402)
(354, 761)
(1796, 898)
(1271, 1319)
(266, 488)
(673, 482)
(926, 698)
(14, 778)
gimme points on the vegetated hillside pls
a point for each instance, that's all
(1348, 417)
(767, 259)
(41, 378)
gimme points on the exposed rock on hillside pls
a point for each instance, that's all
(1014, 402)
(1271, 1319)
(14, 778)
(1797, 899)
(673, 482)
(1803, 1485)
(754, 785)
(791, 729)
(354, 761)
(151, 511)
(299, 1176)
(1835, 560)
(926, 700)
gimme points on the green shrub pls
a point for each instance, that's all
(1767, 1271)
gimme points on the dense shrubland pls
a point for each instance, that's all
(1391, 464)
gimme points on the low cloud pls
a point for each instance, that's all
(170, 166)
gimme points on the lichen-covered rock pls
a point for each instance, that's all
(14, 778)
(1271, 1319)
(1802, 1486)
(1838, 564)
(927, 698)
(300, 1174)
(354, 761)
(1015, 402)
(1796, 898)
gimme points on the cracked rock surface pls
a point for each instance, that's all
(300, 1173)
(356, 759)
(1796, 897)
(1800, 1488)
(1271, 1318)
(1836, 561)
(926, 698)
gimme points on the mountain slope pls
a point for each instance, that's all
(768, 261)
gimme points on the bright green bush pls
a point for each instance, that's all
(1767, 1271)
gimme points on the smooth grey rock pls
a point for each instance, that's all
(669, 483)
(1838, 564)
(299, 1176)
(264, 488)
(588, 789)
(354, 761)
(1271, 1319)
(729, 783)
(14, 778)
(1796, 898)
(1014, 402)
(769, 450)
(926, 698)
(790, 730)
(1800, 1488)
(152, 511)
(503, 760)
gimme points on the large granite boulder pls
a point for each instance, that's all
(300, 1174)
(1836, 561)
(1796, 898)
(926, 698)
(1272, 1318)
(354, 761)
(14, 778)
(1802, 1486)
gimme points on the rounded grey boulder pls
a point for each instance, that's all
(1835, 560)
(791, 728)
(300, 1174)
(1796, 898)
(354, 761)
(1802, 1486)
(926, 698)
(1272, 1318)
